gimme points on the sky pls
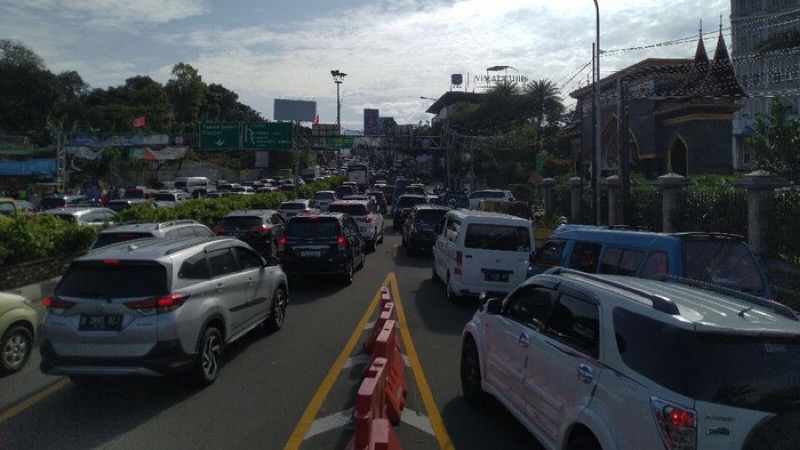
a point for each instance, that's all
(394, 52)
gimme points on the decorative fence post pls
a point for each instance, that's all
(670, 184)
(611, 184)
(759, 185)
(576, 202)
(547, 185)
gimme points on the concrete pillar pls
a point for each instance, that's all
(576, 185)
(759, 185)
(547, 185)
(670, 184)
(611, 184)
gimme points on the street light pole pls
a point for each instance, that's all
(338, 78)
(596, 109)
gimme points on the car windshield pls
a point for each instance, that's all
(312, 227)
(709, 367)
(723, 262)
(241, 221)
(113, 280)
(293, 205)
(324, 196)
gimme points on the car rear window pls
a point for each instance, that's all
(104, 239)
(353, 210)
(313, 227)
(97, 279)
(293, 205)
(497, 237)
(407, 202)
(241, 221)
(748, 371)
(430, 217)
(50, 203)
(324, 196)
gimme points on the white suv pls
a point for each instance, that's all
(365, 212)
(588, 362)
(476, 197)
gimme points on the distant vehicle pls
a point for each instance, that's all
(121, 204)
(488, 194)
(258, 227)
(419, 229)
(359, 174)
(139, 192)
(291, 208)
(366, 214)
(196, 186)
(65, 200)
(174, 229)
(311, 174)
(322, 199)
(85, 215)
(404, 205)
(8, 206)
(170, 198)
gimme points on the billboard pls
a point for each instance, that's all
(295, 110)
(370, 122)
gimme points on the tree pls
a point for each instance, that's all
(776, 144)
(188, 94)
(15, 53)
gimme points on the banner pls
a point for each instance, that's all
(138, 122)
(165, 154)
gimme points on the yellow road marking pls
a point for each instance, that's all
(296, 438)
(442, 436)
(34, 399)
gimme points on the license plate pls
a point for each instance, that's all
(495, 275)
(100, 322)
(363, 228)
(311, 253)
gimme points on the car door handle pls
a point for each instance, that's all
(585, 373)
(219, 287)
(524, 340)
(468, 256)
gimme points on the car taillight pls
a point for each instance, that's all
(56, 306)
(158, 305)
(459, 260)
(218, 230)
(677, 424)
(282, 243)
(340, 242)
(367, 219)
(261, 229)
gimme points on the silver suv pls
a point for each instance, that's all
(173, 229)
(608, 361)
(155, 307)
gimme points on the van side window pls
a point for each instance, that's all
(451, 232)
(585, 257)
(619, 261)
(656, 264)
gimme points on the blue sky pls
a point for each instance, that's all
(393, 51)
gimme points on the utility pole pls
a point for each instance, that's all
(338, 78)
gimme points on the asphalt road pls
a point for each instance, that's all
(291, 389)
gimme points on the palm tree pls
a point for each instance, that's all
(543, 102)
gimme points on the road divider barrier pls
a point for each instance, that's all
(373, 429)
(387, 313)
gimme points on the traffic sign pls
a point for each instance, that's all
(219, 135)
(267, 135)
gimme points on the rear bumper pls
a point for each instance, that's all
(166, 358)
(306, 266)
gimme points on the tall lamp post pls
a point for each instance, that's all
(338, 78)
(596, 109)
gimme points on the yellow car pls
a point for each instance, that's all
(18, 322)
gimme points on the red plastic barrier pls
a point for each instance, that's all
(383, 436)
(387, 346)
(370, 405)
(387, 312)
(385, 297)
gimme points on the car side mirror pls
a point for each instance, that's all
(271, 261)
(494, 306)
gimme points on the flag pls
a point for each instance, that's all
(138, 122)
(316, 120)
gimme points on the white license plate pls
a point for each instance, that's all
(311, 253)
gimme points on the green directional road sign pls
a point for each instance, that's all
(219, 135)
(267, 135)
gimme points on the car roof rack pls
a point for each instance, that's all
(660, 303)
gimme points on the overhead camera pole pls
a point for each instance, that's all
(338, 78)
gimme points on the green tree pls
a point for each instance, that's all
(188, 94)
(15, 53)
(776, 144)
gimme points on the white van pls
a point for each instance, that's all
(196, 186)
(480, 252)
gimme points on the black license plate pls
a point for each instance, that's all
(499, 276)
(100, 322)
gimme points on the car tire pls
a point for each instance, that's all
(347, 277)
(277, 311)
(15, 349)
(372, 245)
(471, 373)
(383, 235)
(209, 357)
(584, 442)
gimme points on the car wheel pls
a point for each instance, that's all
(15, 349)
(372, 245)
(451, 294)
(278, 310)
(403, 242)
(584, 442)
(347, 278)
(383, 234)
(471, 373)
(209, 357)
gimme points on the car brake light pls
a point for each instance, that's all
(55, 305)
(259, 229)
(218, 230)
(159, 305)
(677, 424)
(340, 242)
(282, 243)
(367, 219)
(459, 260)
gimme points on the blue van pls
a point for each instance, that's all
(717, 258)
